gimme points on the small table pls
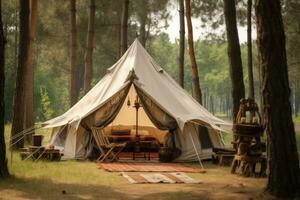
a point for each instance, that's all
(141, 145)
(137, 150)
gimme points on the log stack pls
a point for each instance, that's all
(249, 159)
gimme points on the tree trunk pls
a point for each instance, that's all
(118, 29)
(211, 104)
(124, 21)
(181, 44)
(297, 97)
(29, 106)
(283, 162)
(249, 46)
(16, 38)
(73, 54)
(195, 76)
(88, 72)
(234, 54)
(19, 94)
(142, 31)
(204, 103)
(3, 161)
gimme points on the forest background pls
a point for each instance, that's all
(51, 49)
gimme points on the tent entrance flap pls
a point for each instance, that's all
(108, 112)
(161, 119)
(149, 114)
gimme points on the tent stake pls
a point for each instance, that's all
(199, 159)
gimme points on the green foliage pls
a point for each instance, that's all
(51, 56)
(47, 111)
(211, 15)
(291, 16)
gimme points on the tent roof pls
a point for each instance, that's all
(150, 78)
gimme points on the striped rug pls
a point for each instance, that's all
(176, 177)
(149, 167)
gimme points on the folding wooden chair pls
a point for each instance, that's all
(109, 150)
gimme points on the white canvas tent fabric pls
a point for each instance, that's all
(167, 105)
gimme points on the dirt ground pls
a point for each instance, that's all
(218, 183)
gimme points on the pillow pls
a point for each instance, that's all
(120, 132)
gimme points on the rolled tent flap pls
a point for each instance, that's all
(161, 119)
(107, 112)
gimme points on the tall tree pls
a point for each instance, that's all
(249, 52)
(73, 53)
(29, 108)
(234, 54)
(292, 31)
(19, 94)
(181, 43)
(144, 11)
(142, 15)
(124, 26)
(283, 161)
(88, 72)
(3, 161)
(195, 76)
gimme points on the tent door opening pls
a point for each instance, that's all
(123, 127)
(204, 138)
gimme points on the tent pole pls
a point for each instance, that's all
(199, 159)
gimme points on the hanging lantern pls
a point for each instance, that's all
(128, 102)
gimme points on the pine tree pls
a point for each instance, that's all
(19, 94)
(195, 75)
(181, 43)
(29, 105)
(73, 53)
(124, 26)
(88, 72)
(3, 161)
(283, 161)
(234, 54)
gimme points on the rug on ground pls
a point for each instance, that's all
(174, 177)
(148, 167)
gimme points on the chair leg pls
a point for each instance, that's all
(102, 153)
(115, 157)
(108, 153)
(100, 157)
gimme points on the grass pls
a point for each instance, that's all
(83, 180)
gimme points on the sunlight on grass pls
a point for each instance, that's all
(64, 171)
(83, 180)
(47, 180)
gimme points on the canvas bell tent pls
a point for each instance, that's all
(165, 106)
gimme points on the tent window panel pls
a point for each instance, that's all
(204, 138)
